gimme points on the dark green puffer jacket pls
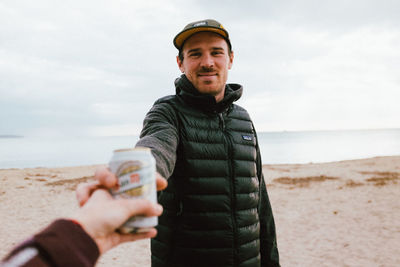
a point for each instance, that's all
(216, 207)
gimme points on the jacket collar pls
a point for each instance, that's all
(186, 90)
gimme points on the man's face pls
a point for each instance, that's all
(206, 62)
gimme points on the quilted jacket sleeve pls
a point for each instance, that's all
(268, 244)
(160, 134)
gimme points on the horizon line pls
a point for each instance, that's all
(264, 131)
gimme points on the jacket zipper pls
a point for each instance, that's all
(232, 186)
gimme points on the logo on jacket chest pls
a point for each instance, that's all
(247, 137)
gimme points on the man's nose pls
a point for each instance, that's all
(207, 61)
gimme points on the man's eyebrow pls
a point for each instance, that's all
(198, 49)
(194, 50)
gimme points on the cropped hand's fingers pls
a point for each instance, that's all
(106, 178)
(142, 207)
(161, 182)
(85, 190)
(133, 237)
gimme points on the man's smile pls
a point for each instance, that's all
(207, 74)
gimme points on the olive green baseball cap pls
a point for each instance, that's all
(208, 25)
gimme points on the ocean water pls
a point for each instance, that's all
(276, 148)
(31, 152)
(327, 146)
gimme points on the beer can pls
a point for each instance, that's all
(135, 169)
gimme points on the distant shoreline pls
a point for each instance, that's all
(10, 136)
(264, 165)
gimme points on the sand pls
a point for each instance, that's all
(343, 213)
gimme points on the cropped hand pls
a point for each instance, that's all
(101, 215)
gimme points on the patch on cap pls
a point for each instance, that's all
(202, 23)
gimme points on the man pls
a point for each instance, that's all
(79, 241)
(216, 207)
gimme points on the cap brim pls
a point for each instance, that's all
(184, 35)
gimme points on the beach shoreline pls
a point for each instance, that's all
(342, 213)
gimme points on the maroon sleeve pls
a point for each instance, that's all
(62, 243)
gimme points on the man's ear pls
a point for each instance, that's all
(180, 65)
(231, 56)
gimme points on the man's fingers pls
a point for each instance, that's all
(161, 182)
(106, 178)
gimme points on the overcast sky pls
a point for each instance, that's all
(96, 67)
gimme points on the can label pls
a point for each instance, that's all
(135, 170)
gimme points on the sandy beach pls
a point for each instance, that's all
(344, 213)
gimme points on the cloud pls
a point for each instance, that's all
(87, 67)
(328, 81)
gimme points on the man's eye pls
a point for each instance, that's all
(194, 54)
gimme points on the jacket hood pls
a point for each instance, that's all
(186, 91)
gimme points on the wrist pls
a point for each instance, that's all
(85, 226)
